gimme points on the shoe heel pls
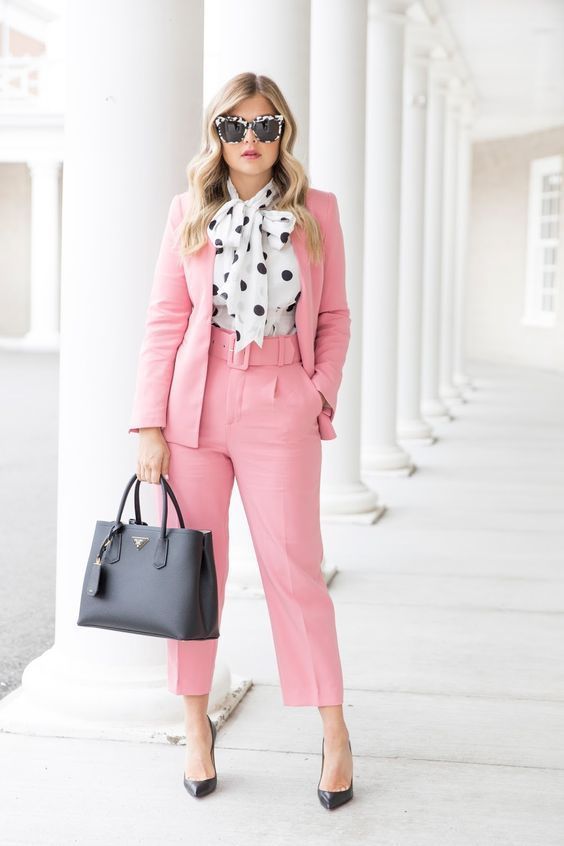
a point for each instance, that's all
(203, 786)
(331, 799)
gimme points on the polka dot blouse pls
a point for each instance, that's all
(256, 281)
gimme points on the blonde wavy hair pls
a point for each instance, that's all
(207, 171)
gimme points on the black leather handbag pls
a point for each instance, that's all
(151, 580)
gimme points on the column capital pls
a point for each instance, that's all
(461, 98)
(393, 11)
(43, 165)
(418, 47)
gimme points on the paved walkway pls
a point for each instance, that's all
(450, 614)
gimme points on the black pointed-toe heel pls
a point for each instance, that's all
(333, 798)
(203, 786)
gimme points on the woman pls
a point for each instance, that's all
(245, 340)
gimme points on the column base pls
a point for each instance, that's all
(387, 461)
(352, 502)
(32, 342)
(462, 380)
(62, 697)
(251, 587)
(436, 410)
(416, 431)
(451, 394)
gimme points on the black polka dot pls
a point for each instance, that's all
(231, 315)
(215, 311)
(216, 324)
(291, 307)
(260, 227)
(258, 309)
(215, 289)
(248, 246)
(238, 334)
(268, 193)
(212, 223)
(243, 285)
(298, 295)
(284, 237)
(287, 275)
(264, 255)
(225, 275)
(218, 242)
(224, 295)
(218, 250)
(239, 228)
(230, 211)
(235, 257)
(261, 267)
(245, 220)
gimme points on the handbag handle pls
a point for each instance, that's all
(166, 489)
(118, 525)
(138, 517)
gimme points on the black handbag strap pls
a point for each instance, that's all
(118, 525)
(166, 490)
(170, 492)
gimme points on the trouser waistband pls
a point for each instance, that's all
(276, 349)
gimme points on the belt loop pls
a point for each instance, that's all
(291, 357)
(246, 356)
(281, 350)
(230, 350)
(293, 349)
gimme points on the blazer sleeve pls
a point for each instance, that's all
(334, 321)
(167, 318)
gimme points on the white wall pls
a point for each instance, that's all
(15, 189)
(497, 255)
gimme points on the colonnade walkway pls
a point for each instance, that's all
(451, 625)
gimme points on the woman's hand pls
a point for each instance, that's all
(153, 456)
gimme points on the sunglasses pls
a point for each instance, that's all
(232, 129)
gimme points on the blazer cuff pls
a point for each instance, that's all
(323, 384)
(146, 424)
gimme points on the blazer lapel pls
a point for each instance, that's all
(304, 306)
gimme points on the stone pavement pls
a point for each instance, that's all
(451, 624)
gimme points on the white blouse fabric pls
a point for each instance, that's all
(256, 282)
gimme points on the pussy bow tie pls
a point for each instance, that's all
(243, 232)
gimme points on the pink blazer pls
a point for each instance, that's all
(172, 364)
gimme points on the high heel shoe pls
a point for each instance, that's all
(333, 798)
(203, 786)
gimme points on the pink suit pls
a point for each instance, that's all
(261, 425)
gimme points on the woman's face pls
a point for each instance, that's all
(267, 153)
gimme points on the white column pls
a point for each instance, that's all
(411, 426)
(460, 376)
(267, 38)
(432, 405)
(340, 26)
(447, 389)
(255, 36)
(43, 331)
(384, 101)
(127, 145)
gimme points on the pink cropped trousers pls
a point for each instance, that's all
(259, 425)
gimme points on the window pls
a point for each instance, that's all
(542, 254)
